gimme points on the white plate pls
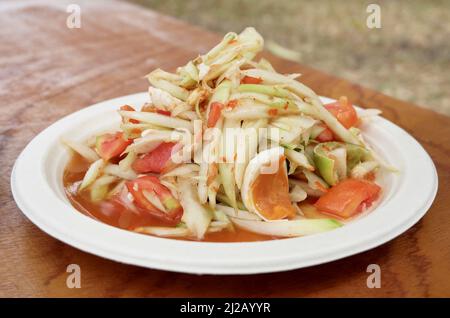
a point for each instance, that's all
(37, 187)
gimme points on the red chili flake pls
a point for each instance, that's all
(272, 112)
(163, 112)
(232, 103)
(370, 176)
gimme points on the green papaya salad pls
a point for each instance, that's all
(322, 172)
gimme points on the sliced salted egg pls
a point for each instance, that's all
(265, 189)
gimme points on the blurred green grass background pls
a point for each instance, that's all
(408, 58)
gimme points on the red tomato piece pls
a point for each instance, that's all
(156, 160)
(348, 197)
(215, 112)
(111, 145)
(251, 80)
(152, 185)
(344, 111)
(325, 135)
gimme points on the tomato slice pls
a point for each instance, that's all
(155, 161)
(271, 194)
(251, 80)
(111, 145)
(348, 197)
(325, 135)
(344, 111)
(215, 112)
(152, 185)
(129, 108)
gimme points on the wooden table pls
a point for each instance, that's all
(48, 71)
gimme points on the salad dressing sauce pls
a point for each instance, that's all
(115, 214)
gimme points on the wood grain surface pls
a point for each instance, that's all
(48, 71)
